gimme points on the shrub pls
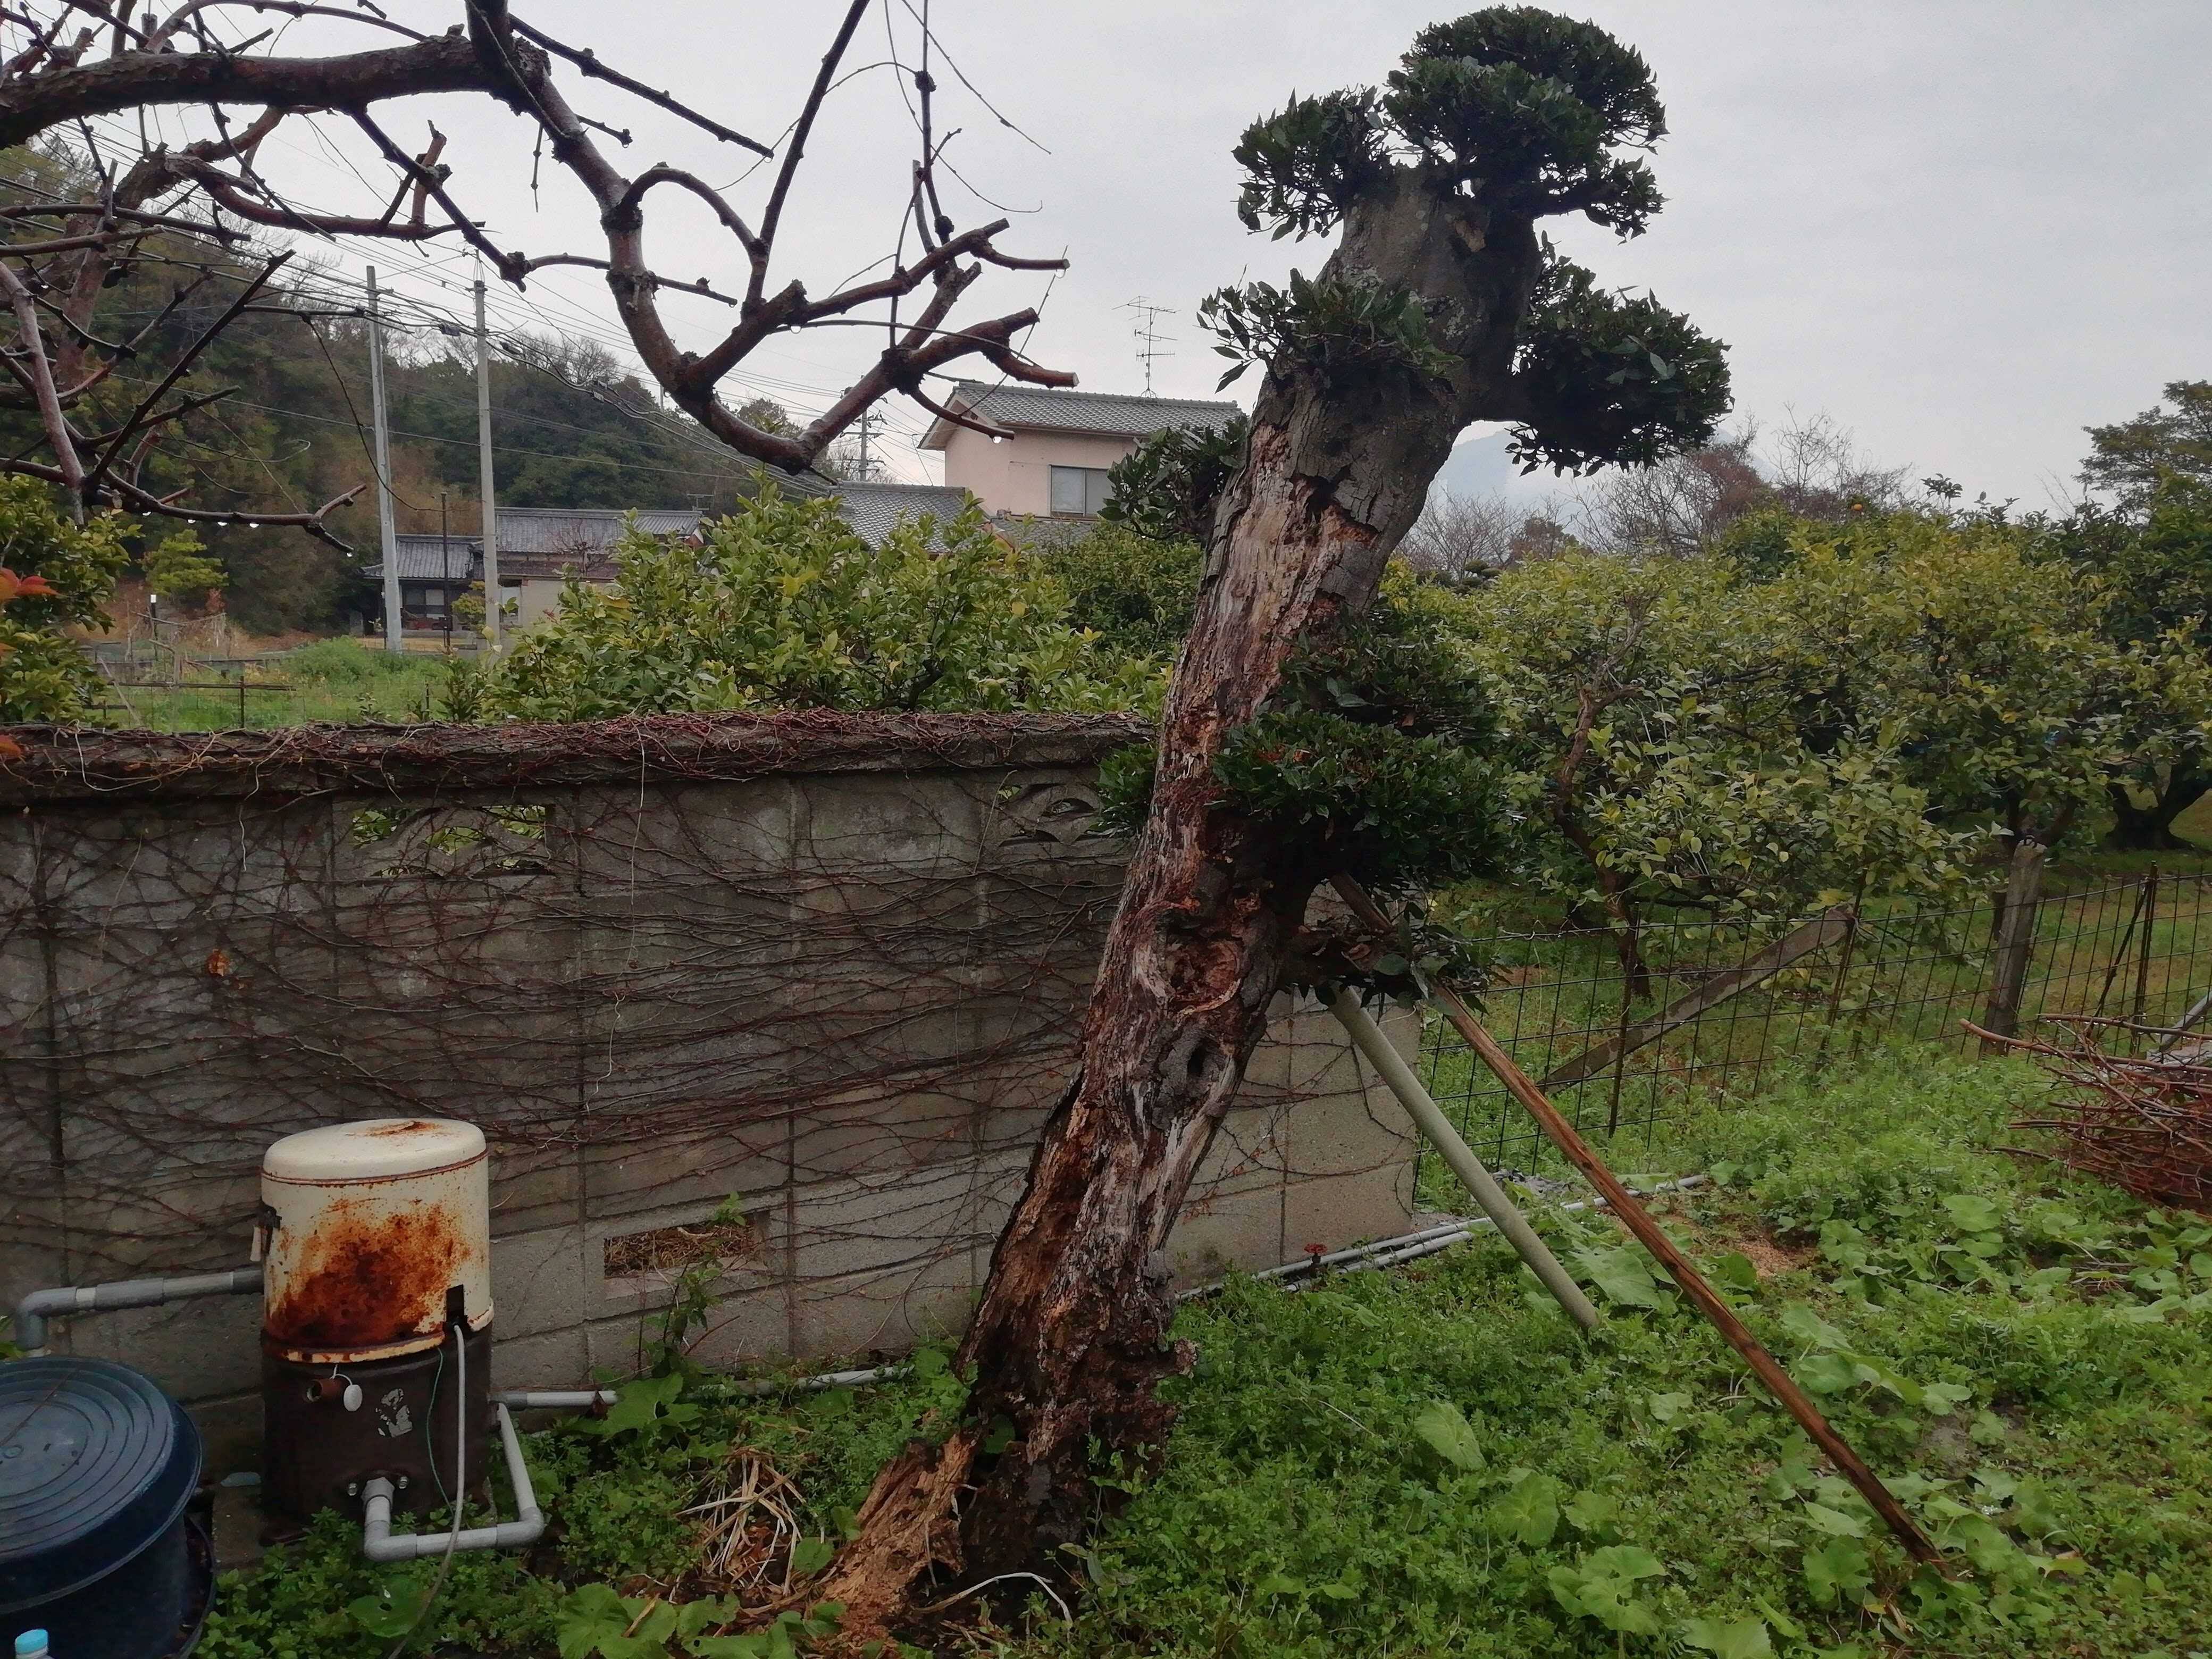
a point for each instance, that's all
(782, 606)
(60, 574)
(1135, 592)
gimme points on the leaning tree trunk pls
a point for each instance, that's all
(1071, 1336)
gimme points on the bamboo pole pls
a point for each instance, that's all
(1649, 1233)
(1428, 1118)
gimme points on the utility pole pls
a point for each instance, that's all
(491, 521)
(864, 467)
(446, 567)
(394, 627)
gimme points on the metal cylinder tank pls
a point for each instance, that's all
(377, 1269)
(372, 1226)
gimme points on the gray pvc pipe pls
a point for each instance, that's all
(1384, 1057)
(554, 1399)
(380, 1543)
(34, 1310)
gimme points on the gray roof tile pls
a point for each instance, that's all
(1048, 409)
(874, 510)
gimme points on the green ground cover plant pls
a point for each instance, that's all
(1430, 1462)
(341, 681)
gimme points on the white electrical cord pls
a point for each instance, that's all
(460, 1484)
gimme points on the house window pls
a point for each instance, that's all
(424, 597)
(1079, 491)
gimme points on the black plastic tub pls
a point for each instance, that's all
(96, 1466)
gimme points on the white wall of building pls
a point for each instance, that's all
(1014, 475)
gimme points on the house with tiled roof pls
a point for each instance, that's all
(1047, 452)
(540, 547)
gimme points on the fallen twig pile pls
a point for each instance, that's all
(2144, 1124)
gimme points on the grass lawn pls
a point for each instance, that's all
(1432, 1461)
(343, 681)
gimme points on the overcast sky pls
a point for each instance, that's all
(1963, 230)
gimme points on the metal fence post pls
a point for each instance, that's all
(2015, 939)
(2143, 948)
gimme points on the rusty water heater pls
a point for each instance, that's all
(377, 1265)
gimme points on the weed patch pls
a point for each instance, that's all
(1432, 1461)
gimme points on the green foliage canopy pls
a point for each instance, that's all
(2171, 439)
(1135, 592)
(782, 606)
(44, 675)
(1667, 743)
(1509, 113)
(1374, 757)
(1992, 674)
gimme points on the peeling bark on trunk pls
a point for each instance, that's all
(1070, 1340)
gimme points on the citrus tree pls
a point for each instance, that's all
(1671, 747)
(1991, 672)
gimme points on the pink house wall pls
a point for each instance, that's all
(1014, 474)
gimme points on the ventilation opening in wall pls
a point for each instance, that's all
(659, 1254)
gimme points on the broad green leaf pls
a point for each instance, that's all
(1744, 1638)
(1735, 1270)
(1827, 1373)
(1529, 1512)
(1591, 1511)
(585, 1617)
(1840, 1567)
(695, 1618)
(810, 1555)
(1666, 1407)
(1623, 1273)
(1624, 1561)
(395, 1609)
(1972, 1213)
(1782, 1623)
(1834, 1523)
(1810, 1329)
(1444, 1428)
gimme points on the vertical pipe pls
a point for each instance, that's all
(392, 629)
(2143, 948)
(1391, 1066)
(488, 520)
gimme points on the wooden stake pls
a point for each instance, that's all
(1648, 1233)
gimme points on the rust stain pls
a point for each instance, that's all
(414, 1126)
(365, 1280)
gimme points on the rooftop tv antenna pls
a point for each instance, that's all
(1148, 336)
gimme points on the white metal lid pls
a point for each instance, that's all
(373, 1151)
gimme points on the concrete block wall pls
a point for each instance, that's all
(833, 970)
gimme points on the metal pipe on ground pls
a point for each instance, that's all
(1428, 1118)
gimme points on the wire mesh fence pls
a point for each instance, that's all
(1721, 1011)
